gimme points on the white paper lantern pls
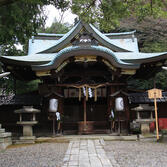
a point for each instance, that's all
(53, 105)
(119, 104)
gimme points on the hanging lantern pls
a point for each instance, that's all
(119, 104)
(53, 105)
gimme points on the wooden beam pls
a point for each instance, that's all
(73, 85)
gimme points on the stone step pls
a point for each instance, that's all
(24, 142)
(5, 134)
(2, 130)
(4, 145)
(6, 140)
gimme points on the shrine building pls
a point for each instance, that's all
(87, 72)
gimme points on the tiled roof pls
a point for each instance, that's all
(143, 98)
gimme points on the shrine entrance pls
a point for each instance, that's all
(83, 113)
(85, 84)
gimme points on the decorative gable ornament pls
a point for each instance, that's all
(85, 40)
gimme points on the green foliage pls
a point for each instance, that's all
(8, 86)
(10, 50)
(152, 35)
(21, 19)
(109, 12)
(154, 46)
(57, 28)
(160, 80)
(25, 87)
(145, 8)
(106, 12)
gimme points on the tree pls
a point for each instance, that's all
(21, 19)
(108, 12)
(152, 35)
(18, 22)
(57, 28)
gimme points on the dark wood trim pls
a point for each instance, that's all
(72, 85)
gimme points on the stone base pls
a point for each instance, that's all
(26, 140)
(164, 136)
(4, 145)
(5, 138)
(145, 128)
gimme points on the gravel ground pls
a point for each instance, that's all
(137, 154)
(38, 155)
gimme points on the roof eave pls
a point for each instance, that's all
(85, 50)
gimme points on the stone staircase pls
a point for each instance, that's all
(5, 138)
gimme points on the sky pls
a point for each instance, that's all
(52, 12)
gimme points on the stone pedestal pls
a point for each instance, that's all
(27, 132)
(164, 136)
(145, 128)
(5, 138)
(27, 127)
(145, 125)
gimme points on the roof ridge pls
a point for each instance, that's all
(121, 33)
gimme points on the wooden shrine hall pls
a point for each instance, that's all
(87, 72)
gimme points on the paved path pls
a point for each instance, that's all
(86, 153)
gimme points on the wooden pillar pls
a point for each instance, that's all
(111, 99)
(60, 106)
(127, 108)
(111, 90)
(127, 112)
(156, 118)
(84, 103)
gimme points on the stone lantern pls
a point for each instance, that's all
(144, 117)
(27, 119)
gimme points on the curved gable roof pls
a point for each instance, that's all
(88, 50)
